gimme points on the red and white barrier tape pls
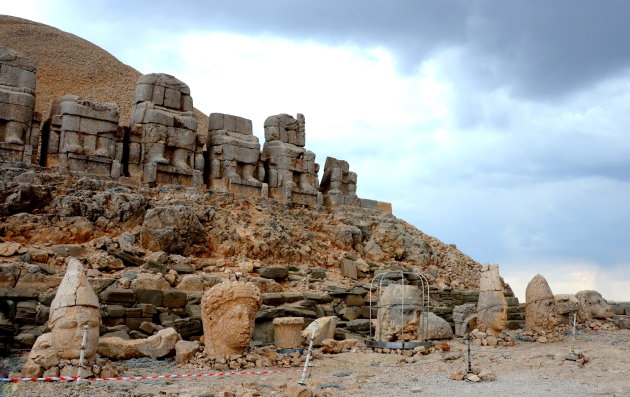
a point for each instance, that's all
(55, 378)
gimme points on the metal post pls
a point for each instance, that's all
(82, 355)
(308, 355)
(573, 334)
(469, 370)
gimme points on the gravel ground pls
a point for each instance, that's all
(527, 369)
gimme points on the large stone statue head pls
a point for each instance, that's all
(540, 310)
(398, 314)
(228, 311)
(74, 307)
(592, 305)
(492, 305)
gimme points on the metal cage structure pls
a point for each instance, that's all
(376, 341)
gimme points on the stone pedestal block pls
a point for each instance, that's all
(288, 332)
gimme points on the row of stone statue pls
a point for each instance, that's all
(228, 312)
(162, 144)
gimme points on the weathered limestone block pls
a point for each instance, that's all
(287, 332)
(87, 136)
(433, 326)
(339, 184)
(155, 346)
(290, 170)
(326, 327)
(540, 308)
(398, 313)
(74, 308)
(17, 104)
(162, 114)
(591, 305)
(491, 306)
(228, 312)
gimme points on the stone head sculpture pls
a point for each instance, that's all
(492, 305)
(398, 313)
(228, 311)
(75, 306)
(540, 310)
(592, 305)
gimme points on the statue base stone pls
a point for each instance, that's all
(16, 152)
(164, 174)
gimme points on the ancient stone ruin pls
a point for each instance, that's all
(492, 306)
(19, 123)
(161, 143)
(228, 311)
(88, 136)
(540, 306)
(291, 170)
(74, 309)
(163, 119)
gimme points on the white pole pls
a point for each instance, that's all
(308, 355)
(82, 355)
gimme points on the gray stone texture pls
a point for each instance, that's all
(338, 184)
(17, 103)
(87, 135)
(162, 116)
(233, 152)
(287, 164)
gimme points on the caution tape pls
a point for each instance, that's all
(56, 378)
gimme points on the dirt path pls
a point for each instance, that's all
(527, 369)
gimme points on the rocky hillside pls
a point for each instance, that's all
(215, 232)
(68, 64)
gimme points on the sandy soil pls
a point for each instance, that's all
(527, 369)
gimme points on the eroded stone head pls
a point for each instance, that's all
(398, 315)
(75, 306)
(591, 305)
(228, 311)
(492, 305)
(540, 310)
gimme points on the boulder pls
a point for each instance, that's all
(185, 350)
(171, 228)
(436, 327)
(156, 346)
(325, 329)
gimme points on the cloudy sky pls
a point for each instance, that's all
(499, 126)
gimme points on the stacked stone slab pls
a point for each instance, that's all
(87, 136)
(234, 156)
(18, 138)
(339, 184)
(291, 171)
(162, 118)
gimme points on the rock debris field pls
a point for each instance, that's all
(526, 369)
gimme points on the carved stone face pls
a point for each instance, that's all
(398, 314)
(67, 331)
(591, 305)
(231, 327)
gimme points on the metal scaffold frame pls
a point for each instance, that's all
(376, 342)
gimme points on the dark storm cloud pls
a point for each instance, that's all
(538, 48)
